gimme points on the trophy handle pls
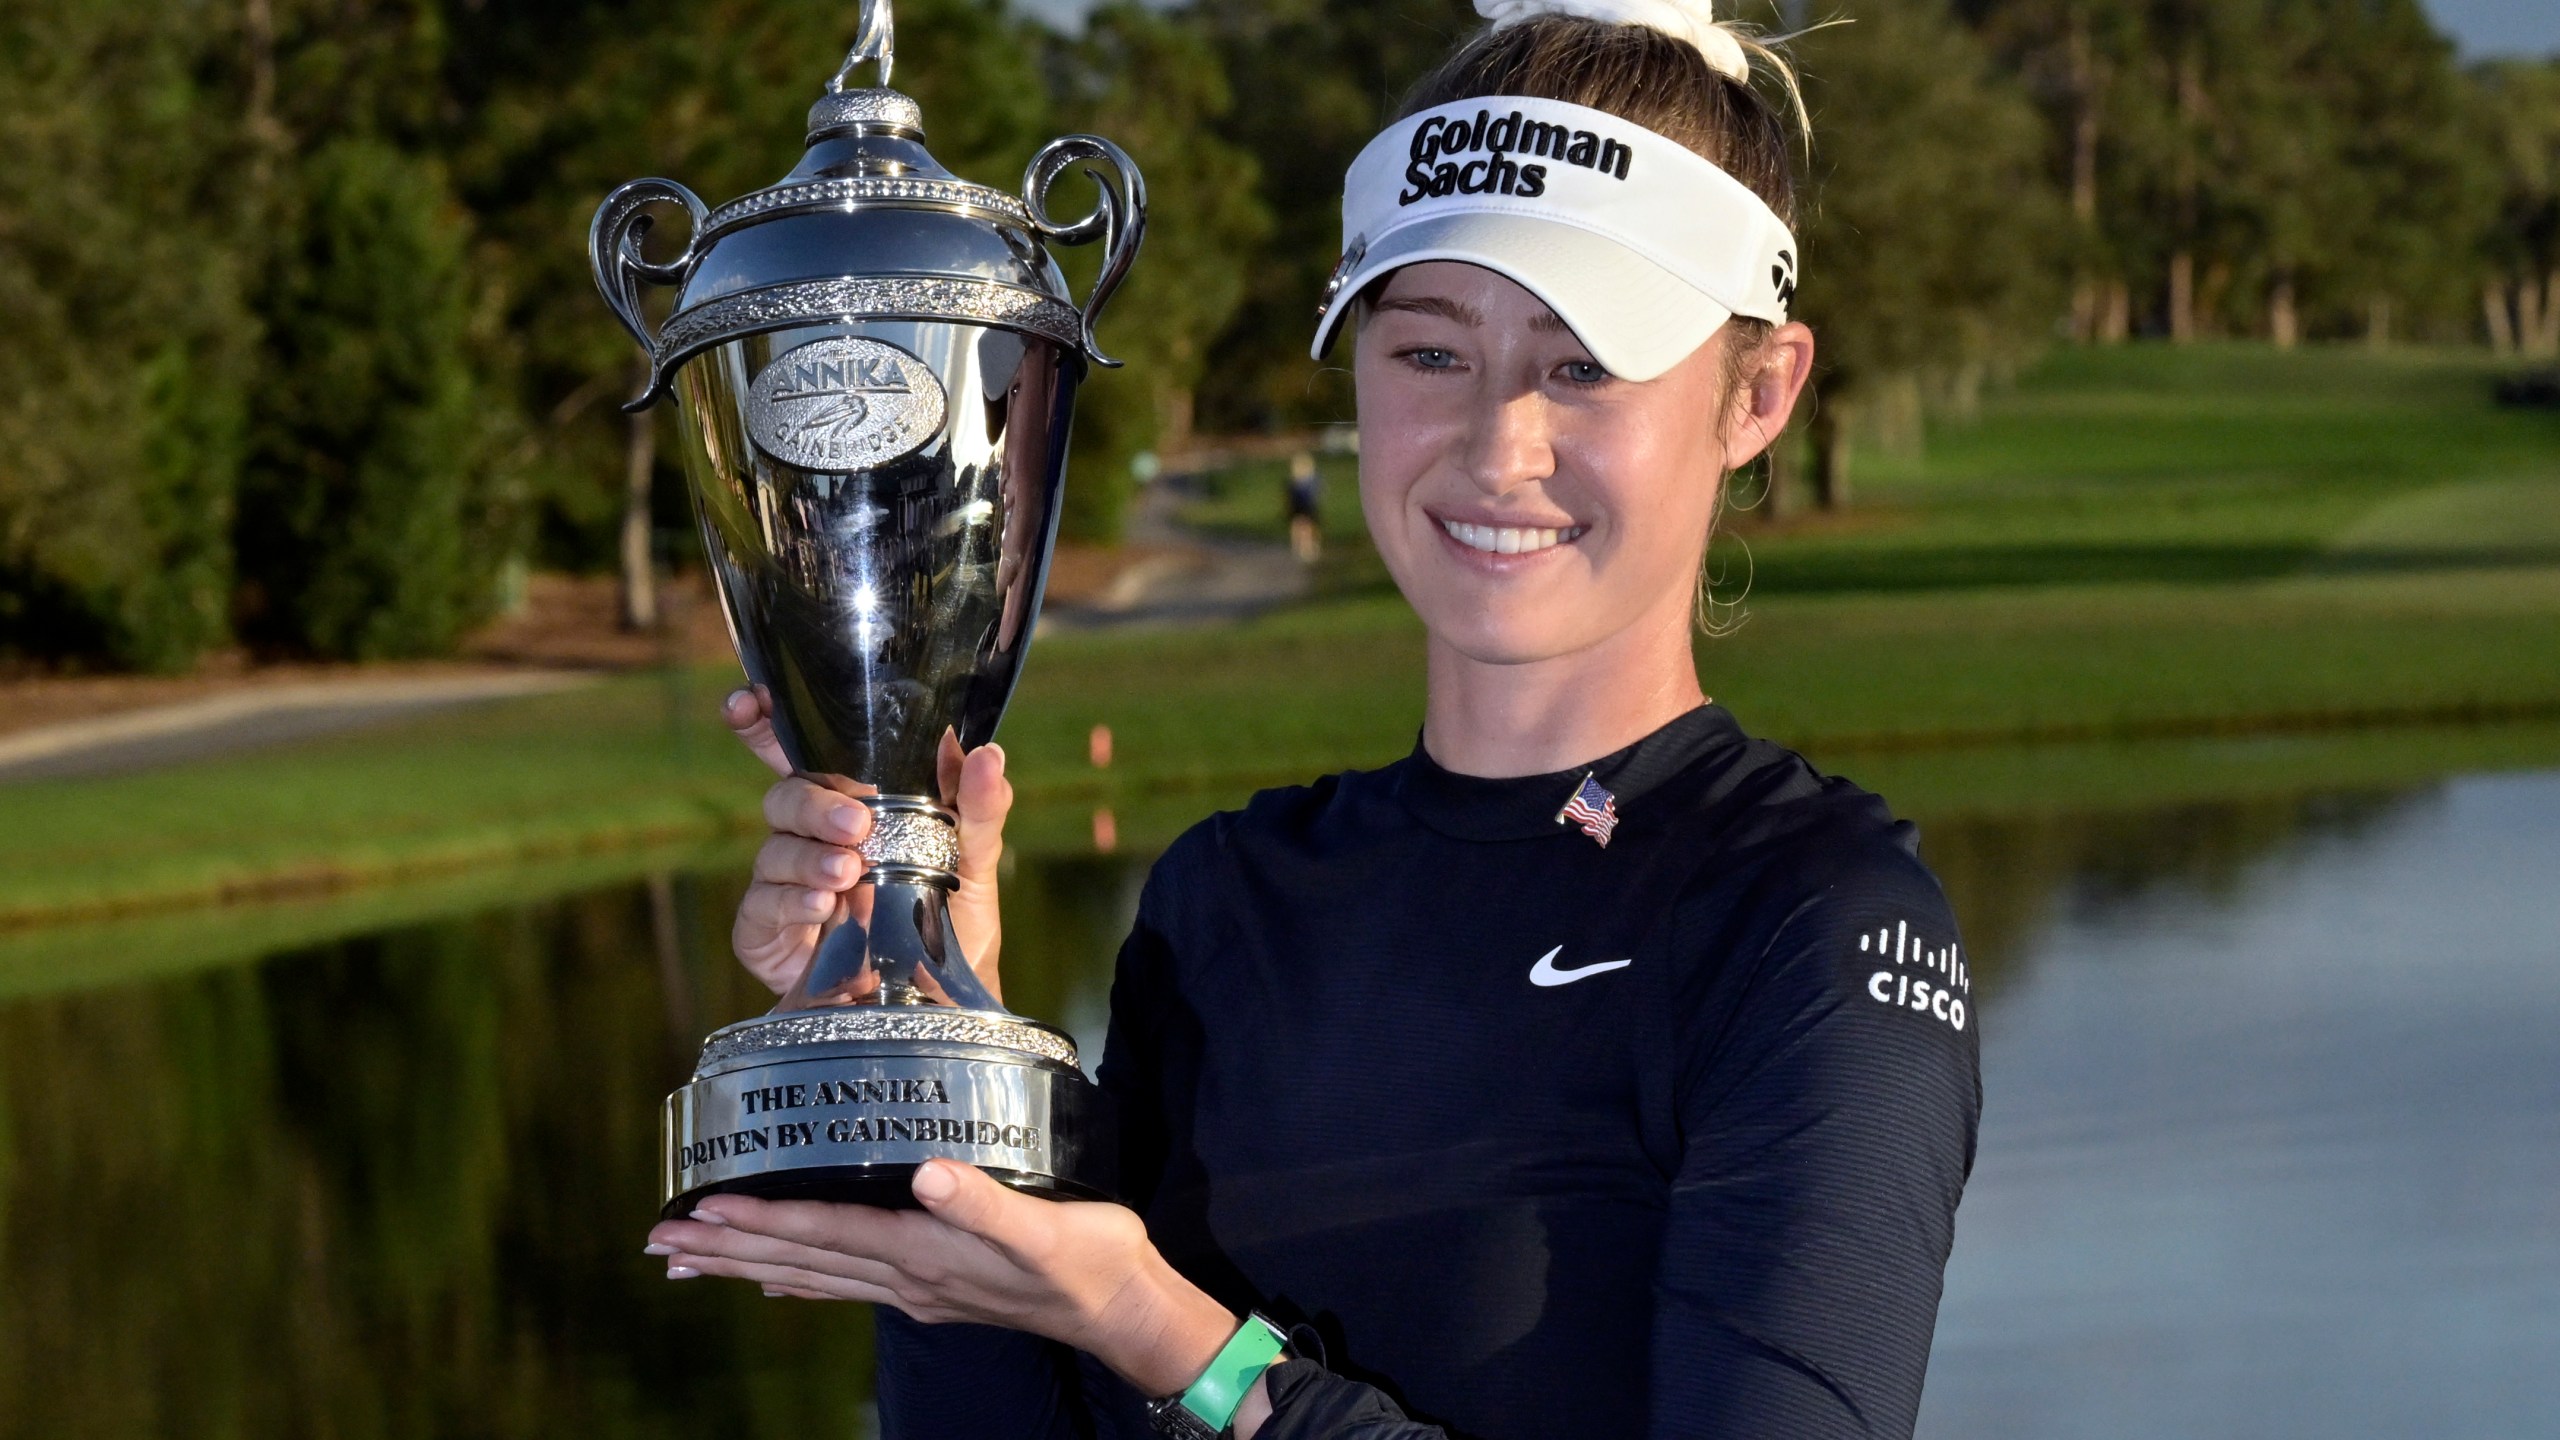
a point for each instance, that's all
(613, 248)
(1119, 218)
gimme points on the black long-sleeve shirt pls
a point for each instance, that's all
(1542, 1138)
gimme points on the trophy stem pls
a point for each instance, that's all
(913, 840)
(908, 940)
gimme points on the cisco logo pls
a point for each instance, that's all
(1934, 982)
(844, 404)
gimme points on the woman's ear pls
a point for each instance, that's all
(1777, 370)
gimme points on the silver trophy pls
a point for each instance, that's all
(876, 362)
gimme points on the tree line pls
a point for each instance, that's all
(304, 356)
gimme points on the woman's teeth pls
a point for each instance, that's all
(1509, 539)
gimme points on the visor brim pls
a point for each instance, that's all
(1636, 318)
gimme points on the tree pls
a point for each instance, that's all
(2083, 61)
(2420, 191)
(122, 386)
(1153, 85)
(2268, 165)
(1320, 78)
(366, 520)
(1932, 238)
(2517, 117)
(2284, 199)
(373, 519)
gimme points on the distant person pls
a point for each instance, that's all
(1594, 1070)
(1306, 508)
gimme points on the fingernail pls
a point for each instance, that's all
(653, 1248)
(839, 868)
(736, 699)
(843, 818)
(933, 1182)
(683, 1272)
(772, 1294)
(708, 1218)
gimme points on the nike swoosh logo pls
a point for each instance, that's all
(1546, 973)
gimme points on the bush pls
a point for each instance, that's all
(121, 387)
(369, 522)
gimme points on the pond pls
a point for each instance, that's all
(2275, 1150)
(2272, 1149)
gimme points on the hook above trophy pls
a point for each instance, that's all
(876, 39)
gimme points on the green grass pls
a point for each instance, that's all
(148, 942)
(621, 765)
(2215, 464)
(2201, 550)
(2207, 465)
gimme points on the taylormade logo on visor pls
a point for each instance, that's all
(1505, 142)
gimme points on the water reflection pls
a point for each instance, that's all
(392, 1186)
(2011, 878)
(2273, 1145)
(395, 1185)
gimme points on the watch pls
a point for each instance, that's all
(1207, 1410)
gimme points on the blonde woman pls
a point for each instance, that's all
(1595, 1070)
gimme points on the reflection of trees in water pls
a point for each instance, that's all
(1064, 919)
(395, 1186)
(2011, 876)
(391, 1186)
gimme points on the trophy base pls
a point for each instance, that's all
(844, 1104)
(888, 1187)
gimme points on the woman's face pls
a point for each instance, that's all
(1529, 504)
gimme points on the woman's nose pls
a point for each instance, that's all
(1511, 445)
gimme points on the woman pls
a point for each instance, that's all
(1596, 1069)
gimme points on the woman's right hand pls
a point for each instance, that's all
(806, 874)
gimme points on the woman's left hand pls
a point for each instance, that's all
(1079, 1272)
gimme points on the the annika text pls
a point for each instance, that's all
(782, 1132)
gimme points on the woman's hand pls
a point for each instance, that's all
(1080, 1272)
(806, 874)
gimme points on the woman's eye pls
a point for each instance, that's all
(1429, 358)
(1585, 372)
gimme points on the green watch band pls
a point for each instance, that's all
(1213, 1398)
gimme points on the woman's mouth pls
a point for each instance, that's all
(1511, 539)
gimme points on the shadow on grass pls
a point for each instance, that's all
(2418, 560)
(1351, 567)
(1974, 567)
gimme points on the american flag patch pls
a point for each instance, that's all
(1592, 808)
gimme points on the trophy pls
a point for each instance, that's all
(875, 362)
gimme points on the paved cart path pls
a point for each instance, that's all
(1179, 578)
(252, 719)
(1187, 579)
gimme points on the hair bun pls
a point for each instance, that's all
(1690, 20)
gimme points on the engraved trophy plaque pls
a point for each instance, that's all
(875, 362)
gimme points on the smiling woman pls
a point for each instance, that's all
(1536, 1084)
(1533, 506)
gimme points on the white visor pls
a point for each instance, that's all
(1640, 244)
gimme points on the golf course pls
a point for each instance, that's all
(2134, 571)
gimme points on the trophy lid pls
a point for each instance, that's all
(868, 226)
